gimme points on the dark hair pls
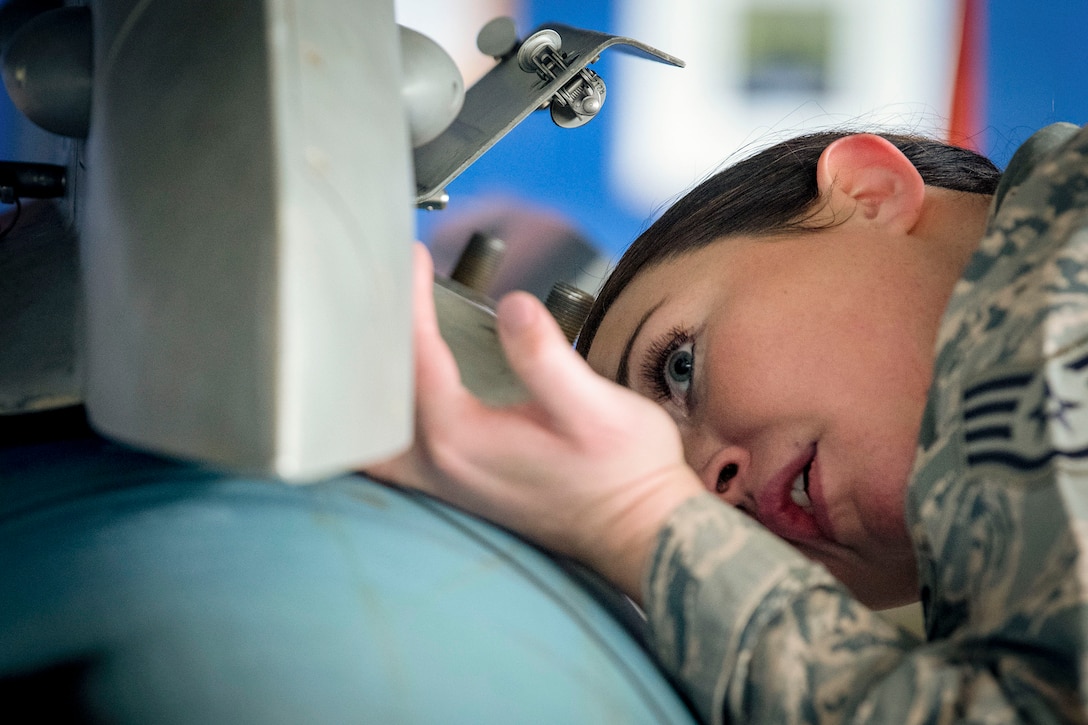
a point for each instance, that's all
(772, 192)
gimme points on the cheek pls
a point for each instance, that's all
(846, 357)
(764, 370)
(755, 374)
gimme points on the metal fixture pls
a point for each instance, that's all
(546, 71)
(477, 265)
(580, 98)
(570, 307)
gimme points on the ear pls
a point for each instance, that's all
(865, 176)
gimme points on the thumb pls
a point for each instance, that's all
(558, 379)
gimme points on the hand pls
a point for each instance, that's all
(586, 468)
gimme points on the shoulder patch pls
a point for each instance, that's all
(1023, 419)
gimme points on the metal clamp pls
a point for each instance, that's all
(580, 99)
(548, 70)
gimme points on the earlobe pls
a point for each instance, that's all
(866, 175)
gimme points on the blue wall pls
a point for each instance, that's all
(1038, 62)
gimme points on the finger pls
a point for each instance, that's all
(450, 421)
(435, 366)
(437, 380)
(430, 369)
(559, 380)
(403, 470)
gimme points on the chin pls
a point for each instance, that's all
(884, 588)
(888, 600)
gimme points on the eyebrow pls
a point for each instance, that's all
(622, 370)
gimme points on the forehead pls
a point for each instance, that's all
(694, 285)
(680, 281)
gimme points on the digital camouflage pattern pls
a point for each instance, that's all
(997, 508)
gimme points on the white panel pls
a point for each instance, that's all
(246, 241)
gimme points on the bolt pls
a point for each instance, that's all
(478, 263)
(570, 307)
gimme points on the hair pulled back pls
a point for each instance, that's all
(772, 192)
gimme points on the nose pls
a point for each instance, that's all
(723, 467)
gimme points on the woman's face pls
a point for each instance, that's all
(796, 369)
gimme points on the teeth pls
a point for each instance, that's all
(799, 494)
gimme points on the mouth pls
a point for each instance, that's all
(791, 505)
(799, 492)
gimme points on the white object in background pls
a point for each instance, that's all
(432, 88)
(886, 64)
(454, 26)
(246, 233)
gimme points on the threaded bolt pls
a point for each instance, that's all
(570, 307)
(478, 263)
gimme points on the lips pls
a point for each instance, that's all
(791, 504)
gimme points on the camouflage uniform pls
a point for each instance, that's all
(997, 509)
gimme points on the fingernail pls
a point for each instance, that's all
(515, 313)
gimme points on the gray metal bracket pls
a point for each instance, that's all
(505, 96)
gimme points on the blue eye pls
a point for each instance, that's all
(679, 368)
(669, 366)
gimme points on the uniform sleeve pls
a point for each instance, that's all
(755, 633)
